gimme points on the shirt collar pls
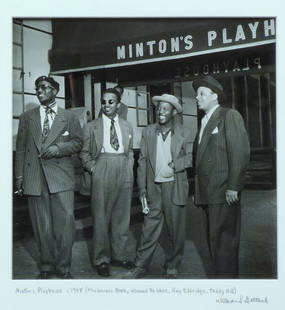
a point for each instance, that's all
(53, 106)
(210, 112)
(158, 129)
(107, 119)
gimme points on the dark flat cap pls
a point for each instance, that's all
(210, 82)
(49, 79)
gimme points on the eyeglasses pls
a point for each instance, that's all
(43, 87)
(111, 101)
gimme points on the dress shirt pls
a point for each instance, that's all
(107, 148)
(51, 116)
(205, 120)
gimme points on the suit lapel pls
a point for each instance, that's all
(36, 129)
(176, 142)
(58, 124)
(212, 123)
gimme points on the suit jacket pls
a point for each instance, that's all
(93, 142)
(65, 132)
(221, 158)
(181, 151)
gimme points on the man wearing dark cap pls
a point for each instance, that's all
(107, 154)
(165, 153)
(122, 109)
(47, 137)
(221, 152)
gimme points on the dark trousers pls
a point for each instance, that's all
(162, 209)
(112, 187)
(222, 227)
(54, 228)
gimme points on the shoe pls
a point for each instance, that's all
(44, 275)
(171, 273)
(136, 273)
(65, 276)
(123, 263)
(170, 276)
(103, 270)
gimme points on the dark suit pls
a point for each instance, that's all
(111, 190)
(221, 159)
(49, 183)
(166, 200)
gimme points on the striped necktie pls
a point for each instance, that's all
(46, 127)
(113, 136)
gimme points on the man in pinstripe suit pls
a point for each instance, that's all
(221, 152)
(47, 136)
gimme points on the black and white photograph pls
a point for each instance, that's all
(144, 159)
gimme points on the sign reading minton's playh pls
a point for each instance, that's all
(199, 40)
(82, 45)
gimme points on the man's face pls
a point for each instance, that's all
(165, 112)
(45, 92)
(206, 99)
(109, 104)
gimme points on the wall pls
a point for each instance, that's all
(32, 40)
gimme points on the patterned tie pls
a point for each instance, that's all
(113, 136)
(46, 128)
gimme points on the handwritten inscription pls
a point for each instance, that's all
(227, 295)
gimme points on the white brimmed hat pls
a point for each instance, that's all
(170, 99)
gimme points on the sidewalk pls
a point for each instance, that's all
(258, 247)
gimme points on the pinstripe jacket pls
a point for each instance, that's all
(221, 157)
(65, 132)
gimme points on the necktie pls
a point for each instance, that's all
(203, 125)
(46, 128)
(113, 136)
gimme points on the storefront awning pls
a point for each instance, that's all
(90, 44)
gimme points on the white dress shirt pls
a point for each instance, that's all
(205, 120)
(107, 148)
(51, 116)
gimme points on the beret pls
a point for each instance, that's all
(49, 79)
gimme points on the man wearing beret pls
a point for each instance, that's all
(162, 180)
(47, 137)
(107, 154)
(221, 152)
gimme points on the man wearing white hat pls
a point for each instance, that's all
(165, 154)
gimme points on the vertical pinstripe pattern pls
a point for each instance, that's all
(58, 171)
(49, 183)
(221, 158)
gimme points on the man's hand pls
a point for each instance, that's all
(19, 186)
(231, 197)
(51, 151)
(171, 165)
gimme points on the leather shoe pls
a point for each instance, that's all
(136, 273)
(103, 270)
(65, 276)
(122, 263)
(44, 275)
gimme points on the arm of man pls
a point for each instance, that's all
(238, 151)
(184, 159)
(20, 152)
(74, 145)
(85, 154)
(141, 171)
(131, 145)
